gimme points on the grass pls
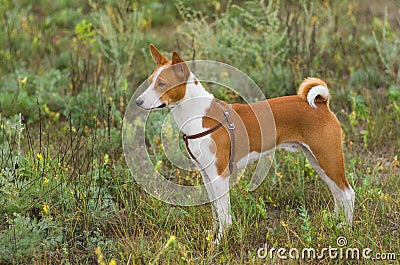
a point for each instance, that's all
(68, 70)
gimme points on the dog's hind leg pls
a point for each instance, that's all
(329, 166)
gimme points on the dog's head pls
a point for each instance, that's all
(167, 83)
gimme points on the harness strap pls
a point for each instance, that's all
(198, 135)
(230, 126)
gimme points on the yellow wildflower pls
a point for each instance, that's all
(171, 240)
(46, 208)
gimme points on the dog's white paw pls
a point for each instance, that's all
(209, 231)
(217, 238)
(342, 225)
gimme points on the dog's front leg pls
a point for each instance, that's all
(210, 192)
(218, 192)
(223, 207)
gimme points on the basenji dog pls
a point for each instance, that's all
(226, 137)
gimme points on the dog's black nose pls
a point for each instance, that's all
(139, 102)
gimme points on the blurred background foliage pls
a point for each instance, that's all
(68, 69)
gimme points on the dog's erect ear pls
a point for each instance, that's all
(176, 58)
(180, 67)
(158, 58)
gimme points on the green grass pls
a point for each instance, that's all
(68, 70)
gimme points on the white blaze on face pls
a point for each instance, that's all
(150, 97)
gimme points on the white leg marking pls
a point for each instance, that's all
(222, 205)
(211, 195)
(342, 198)
(218, 192)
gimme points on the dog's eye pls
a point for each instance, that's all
(161, 84)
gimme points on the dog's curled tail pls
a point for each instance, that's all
(313, 90)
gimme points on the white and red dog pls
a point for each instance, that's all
(240, 133)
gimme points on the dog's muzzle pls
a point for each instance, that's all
(139, 102)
